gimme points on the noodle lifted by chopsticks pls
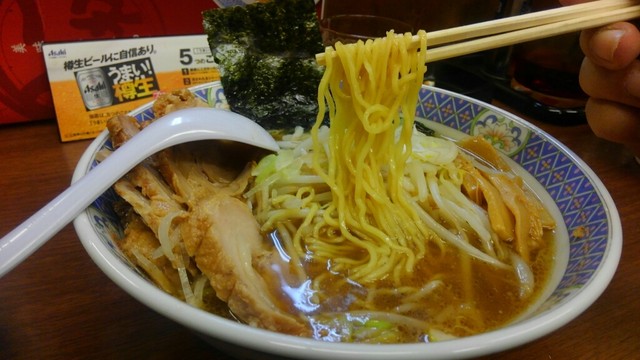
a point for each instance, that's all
(371, 91)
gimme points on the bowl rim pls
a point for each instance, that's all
(494, 341)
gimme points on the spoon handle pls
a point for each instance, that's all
(21, 242)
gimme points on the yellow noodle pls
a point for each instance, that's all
(370, 90)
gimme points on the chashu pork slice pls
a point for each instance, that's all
(223, 236)
(218, 230)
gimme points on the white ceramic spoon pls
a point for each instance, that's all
(175, 128)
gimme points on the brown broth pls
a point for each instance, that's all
(474, 297)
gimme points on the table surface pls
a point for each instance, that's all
(58, 304)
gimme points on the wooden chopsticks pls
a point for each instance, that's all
(493, 34)
(533, 26)
(526, 21)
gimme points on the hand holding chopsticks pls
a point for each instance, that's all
(493, 34)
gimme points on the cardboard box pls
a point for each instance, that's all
(27, 24)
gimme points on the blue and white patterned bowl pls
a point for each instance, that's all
(593, 227)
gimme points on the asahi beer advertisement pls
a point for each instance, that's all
(95, 80)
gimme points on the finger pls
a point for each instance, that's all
(620, 86)
(614, 46)
(613, 121)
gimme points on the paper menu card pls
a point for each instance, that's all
(92, 81)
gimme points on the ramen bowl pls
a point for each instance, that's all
(590, 241)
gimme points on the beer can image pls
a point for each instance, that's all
(95, 87)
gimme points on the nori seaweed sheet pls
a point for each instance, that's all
(266, 56)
